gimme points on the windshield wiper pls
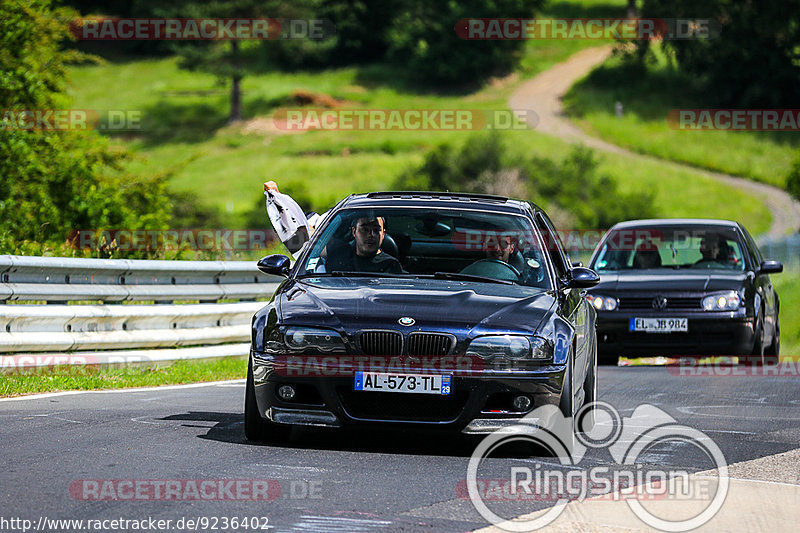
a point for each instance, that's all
(470, 277)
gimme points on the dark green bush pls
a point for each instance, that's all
(424, 44)
(571, 187)
(52, 181)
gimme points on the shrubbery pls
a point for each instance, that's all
(793, 180)
(571, 190)
(56, 181)
(750, 61)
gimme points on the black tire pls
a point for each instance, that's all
(756, 355)
(567, 403)
(773, 351)
(586, 416)
(255, 427)
(758, 345)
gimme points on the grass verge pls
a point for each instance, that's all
(788, 286)
(647, 99)
(65, 378)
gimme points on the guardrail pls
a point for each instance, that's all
(116, 313)
(785, 249)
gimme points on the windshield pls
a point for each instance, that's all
(673, 247)
(446, 243)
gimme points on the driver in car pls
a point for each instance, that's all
(367, 256)
(499, 248)
(709, 248)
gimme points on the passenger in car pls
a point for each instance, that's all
(727, 255)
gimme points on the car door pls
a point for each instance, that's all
(763, 286)
(574, 306)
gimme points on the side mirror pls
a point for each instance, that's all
(275, 265)
(770, 267)
(582, 278)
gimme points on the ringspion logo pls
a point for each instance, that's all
(631, 478)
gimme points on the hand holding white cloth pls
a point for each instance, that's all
(288, 219)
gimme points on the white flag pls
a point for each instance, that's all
(288, 219)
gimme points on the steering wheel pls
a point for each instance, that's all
(492, 268)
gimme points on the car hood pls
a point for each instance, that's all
(669, 281)
(433, 304)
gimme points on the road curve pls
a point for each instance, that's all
(543, 94)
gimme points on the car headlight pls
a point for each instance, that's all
(602, 303)
(313, 339)
(512, 347)
(723, 301)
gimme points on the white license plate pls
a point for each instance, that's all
(410, 383)
(659, 325)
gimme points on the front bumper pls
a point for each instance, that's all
(479, 401)
(724, 333)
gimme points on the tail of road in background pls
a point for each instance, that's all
(294, 228)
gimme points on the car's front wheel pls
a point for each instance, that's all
(756, 357)
(255, 427)
(773, 351)
(586, 416)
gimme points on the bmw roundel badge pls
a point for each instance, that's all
(406, 321)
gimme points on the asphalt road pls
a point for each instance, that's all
(331, 481)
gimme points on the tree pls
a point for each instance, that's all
(232, 59)
(754, 61)
(55, 181)
(793, 180)
(424, 43)
(571, 186)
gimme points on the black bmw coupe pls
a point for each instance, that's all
(438, 310)
(684, 288)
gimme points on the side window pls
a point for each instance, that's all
(755, 253)
(552, 241)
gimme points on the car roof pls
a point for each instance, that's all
(436, 200)
(675, 222)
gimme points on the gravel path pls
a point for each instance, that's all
(543, 95)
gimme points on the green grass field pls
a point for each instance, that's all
(646, 100)
(788, 286)
(183, 130)
(29, 381)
